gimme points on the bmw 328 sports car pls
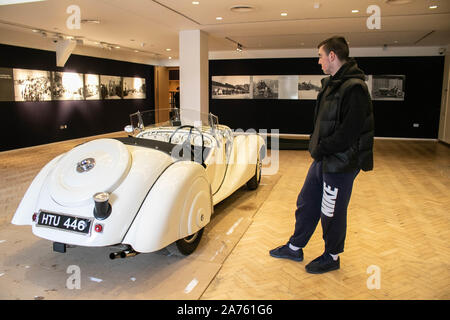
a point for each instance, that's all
(143, 192)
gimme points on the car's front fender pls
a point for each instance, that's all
(178, 204)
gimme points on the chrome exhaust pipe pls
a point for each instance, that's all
(128, 253)
(123, 254)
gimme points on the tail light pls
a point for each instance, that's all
(98, 228)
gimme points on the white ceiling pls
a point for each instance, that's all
(151, 26)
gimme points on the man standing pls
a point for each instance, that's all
(341, 145)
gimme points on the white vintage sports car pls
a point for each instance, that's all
(143, 192)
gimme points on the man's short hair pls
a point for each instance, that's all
(336, 44)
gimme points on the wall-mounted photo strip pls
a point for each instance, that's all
(309, 86)
(32, 85)
(40, 85)
(6, 84)
(230, 87)
(110, 87)
(91, 86)
(265, 87)
(67, 86)
(388, 87)
(133, 88)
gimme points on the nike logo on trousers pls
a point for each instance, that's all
(329, 200)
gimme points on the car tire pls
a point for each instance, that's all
(187, 245)
(253, 183)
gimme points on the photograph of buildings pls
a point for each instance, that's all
(230, 87)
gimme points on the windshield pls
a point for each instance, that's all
(172, 118)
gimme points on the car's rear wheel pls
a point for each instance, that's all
(253, 183)
(187, 245)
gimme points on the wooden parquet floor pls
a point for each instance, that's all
(398, 221)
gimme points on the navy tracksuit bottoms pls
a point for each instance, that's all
(324, 196)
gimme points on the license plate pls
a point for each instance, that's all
(68, 223)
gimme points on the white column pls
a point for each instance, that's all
(444, 120)
(194, 73)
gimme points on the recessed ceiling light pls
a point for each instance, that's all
(168, 49)
(136, 50)
(355, 11)
(170, 58)
(195, 2)
(117, 47)
(35, 30)
(219, 18)
(284, 14)
(433, 7)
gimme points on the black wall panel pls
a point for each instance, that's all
(421, 106)
(26, 124)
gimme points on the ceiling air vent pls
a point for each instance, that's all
(240, 8)
(398, 2)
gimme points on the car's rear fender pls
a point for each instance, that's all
(27, 206)
(178, 204)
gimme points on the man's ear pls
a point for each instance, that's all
(332, 56)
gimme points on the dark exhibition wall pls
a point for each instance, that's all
(417, 116)
(26, 124)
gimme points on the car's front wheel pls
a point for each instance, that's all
(188, 244)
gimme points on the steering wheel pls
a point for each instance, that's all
(188, 139)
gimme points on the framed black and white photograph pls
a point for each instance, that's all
(309, 86)
(6, 84)
(32, 85)
(369, 80)
(110, 87)
(133, 88)
(67, 86)
(91, 86)
(230, 87)
(265, 87)
(288, 87)
(388, 87)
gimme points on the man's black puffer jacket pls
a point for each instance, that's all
(343, 122)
